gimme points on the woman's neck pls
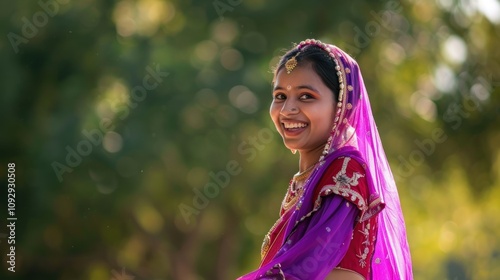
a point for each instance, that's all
(309, 158)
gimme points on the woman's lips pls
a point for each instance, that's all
(294, 128)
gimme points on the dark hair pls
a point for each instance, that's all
(321, 62)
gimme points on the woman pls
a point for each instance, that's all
(341, 217)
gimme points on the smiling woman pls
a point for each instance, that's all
(298, 112)
(341, 216)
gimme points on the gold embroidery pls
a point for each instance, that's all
(266, 243)
(343, 185)
(265, 247)
(365, 230)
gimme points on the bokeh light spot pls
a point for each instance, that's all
(231, 59)
(112, 142)
(454, 50)
(244, 99)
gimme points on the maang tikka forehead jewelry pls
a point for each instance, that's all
(291, 63)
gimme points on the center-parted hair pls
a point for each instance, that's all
(321, 62)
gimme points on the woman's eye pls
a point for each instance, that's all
(279, 96)
(306, 96)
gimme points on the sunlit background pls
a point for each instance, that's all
(144, 150)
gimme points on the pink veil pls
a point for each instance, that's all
(355, 127)
(354, 134)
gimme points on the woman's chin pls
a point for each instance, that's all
(292, 147)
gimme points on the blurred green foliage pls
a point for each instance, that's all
(122, 116)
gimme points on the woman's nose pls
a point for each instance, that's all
(289, 108)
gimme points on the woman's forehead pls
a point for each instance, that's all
(302, 76)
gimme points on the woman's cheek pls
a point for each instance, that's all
(274, 117)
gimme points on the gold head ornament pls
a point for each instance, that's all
(291, 64)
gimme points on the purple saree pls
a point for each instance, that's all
(318, 232)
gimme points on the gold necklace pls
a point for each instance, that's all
(299, 177)
(293, 194)
(291, 199)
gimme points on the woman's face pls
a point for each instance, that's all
(302, 108)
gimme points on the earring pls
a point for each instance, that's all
(294, 151)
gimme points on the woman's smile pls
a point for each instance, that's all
(300, 103)
(293, 128)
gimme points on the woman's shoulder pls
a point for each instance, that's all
(348, 163)
(345, 176)
(343, 168)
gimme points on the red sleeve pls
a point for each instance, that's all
(345, 177)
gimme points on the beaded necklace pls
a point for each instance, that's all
(294, 192)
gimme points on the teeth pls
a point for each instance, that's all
(294, 125)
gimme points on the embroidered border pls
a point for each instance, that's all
(363, 255)
(354, 196)
(343, 185)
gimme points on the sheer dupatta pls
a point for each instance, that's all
(315, 239)
(311, 252)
